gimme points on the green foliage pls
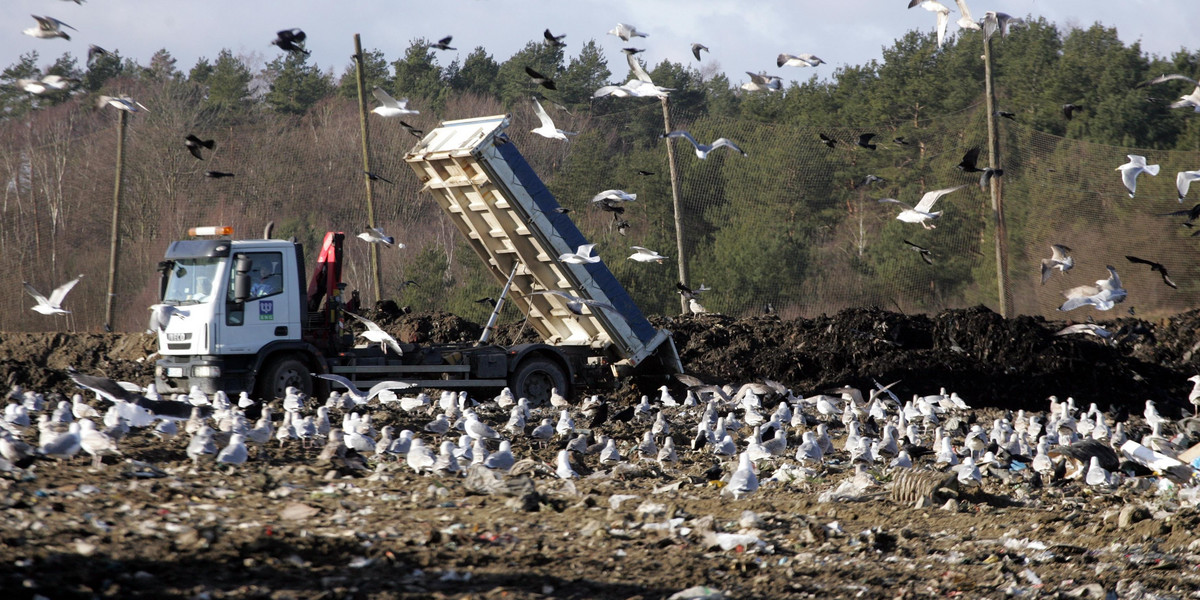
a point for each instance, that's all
(477, 74)
(228, 84)
(101, 69)
(376, 73)
(296, 86)
(418, 76)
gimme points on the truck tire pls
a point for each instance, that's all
(534, 379)
(281, 373)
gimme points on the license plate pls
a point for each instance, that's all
(174, 371)
(178, 337)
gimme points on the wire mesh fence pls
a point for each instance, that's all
(791, 226)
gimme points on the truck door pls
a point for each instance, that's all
(267, 315)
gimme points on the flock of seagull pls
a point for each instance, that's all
(740, 431)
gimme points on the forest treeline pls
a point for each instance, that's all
(789, 226)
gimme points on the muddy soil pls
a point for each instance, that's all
(151, 524)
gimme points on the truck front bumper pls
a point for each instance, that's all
(177, 374)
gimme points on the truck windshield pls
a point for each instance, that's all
(192, 281)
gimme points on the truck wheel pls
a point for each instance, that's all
(534, 379)
(275, 379)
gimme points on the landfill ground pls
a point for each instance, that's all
(151, 524)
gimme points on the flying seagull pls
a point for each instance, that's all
(798, 60)
(194, 144)
(582, 255)
(645, 255)
(289, 40)
(921, 212)
(641, 86)
(614, 196)
(1059, 258)
(696, 48)
(1191, 100)
(540, 79)
(702, 150)
(1183, 180)
(625, 32)
(389, 106)
(1164, 78)
(554, 40)
(360, 397)
(996, 21)
(965, 21)
(375, 235)
(443, 44)
(53, 304)
(124, 103)
(574, 303)
(1156, 267)
(1133, 168)
(943, 16)
(375, 333)
(547, 128)
(1088, 328)
(1106, 294)
(47, 28)
(926, 254)
(94, 51)
(762, 82)
(45, 84)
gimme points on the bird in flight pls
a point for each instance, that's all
(762, 82)
(554, 40)
(547, 128)
(625, 32)
(540, 79)
(124, 103)
(798, 60)
(389, 106)
(1070, 109)
(290, 40)
(574, 303)
(53, 304)
(194, 144)
(1130, 171)
(1059, 258)
(375, 235)
(926, 254)
(828, 141)
(377, 177)
(45, 84)
(443, 44)
(48, 28)
(921, 213)
(942, 12)
(217, 174)
(375, 333)
(1156, 267)
(1183, 180)
(646, 255)
(614, 196)
(702, 150)
(94, 51)
(864, 140)
(413, 130)
(696, 48)
(1106, 294)
(967, 164)
(582, 255)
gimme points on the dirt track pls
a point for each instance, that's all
(285, 525)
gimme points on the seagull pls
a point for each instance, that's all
(996, 21)
(702, 150)
(554, 40)
(582, 255)
(1104, 295)
(1164, 78)
(798, 60)
(965, 21)
(696, 48)
(45, 84)
(160, 316)
(625, 32)
(743, 481)
(48, 27)
(360, 397)
(641, 86)
(1194, 395)
(926, 254)
(1156, 267)
(375, 235)
(1191, 100)
(289, 40)
(646, 255)
(389, 106)
(762, 82)
(124, 103)
(94, 51)
(613, 196)
(375, 333)
(53, 304)
(1183, 180)
(540, 79)
(194, 144)
(1058, 258)
(943, 16)
(235, 453)
(443, 44)
(575, 304)
(1133, 168)
(547, 128)
(921, 212)
(1088, 328)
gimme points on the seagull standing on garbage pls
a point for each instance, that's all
(743, 481)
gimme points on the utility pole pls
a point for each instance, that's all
(683, 273)
(1001, 233)
(366, 153)
(114, 249)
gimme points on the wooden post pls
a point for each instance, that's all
(114, 248)
(683, 273)
(1001, 234)
(360, 79)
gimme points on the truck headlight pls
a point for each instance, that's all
(206, 371)
(174, 371)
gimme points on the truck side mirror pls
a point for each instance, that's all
(241, 278)
(165, 268)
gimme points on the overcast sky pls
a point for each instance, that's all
(743, 35)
